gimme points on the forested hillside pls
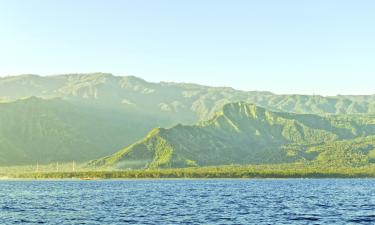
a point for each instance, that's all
(35, 130)
(85, 116)
(243, 133)
(184, 102)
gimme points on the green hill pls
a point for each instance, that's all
(36, 130)
(86, 116)
(246, 134)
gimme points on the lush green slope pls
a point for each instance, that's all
(246, 134)
(99, 113)
(35, 130)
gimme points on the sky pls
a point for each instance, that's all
(322, 47)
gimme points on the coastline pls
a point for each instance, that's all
(284, 171)
(182, 179)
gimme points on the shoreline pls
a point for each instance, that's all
(181, 179)
(48, 176)
(280, 171)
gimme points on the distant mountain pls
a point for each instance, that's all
(35, 130)
(185, 103)
(86, 116)
(246, 134)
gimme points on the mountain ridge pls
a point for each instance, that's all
(54, 130)
(198, 101)
(133, 106)
(239, 134)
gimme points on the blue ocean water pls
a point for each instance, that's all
(252, 201)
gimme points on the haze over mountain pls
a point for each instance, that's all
(192, 101)
(87, 116)
(34, 130)
(243, 133)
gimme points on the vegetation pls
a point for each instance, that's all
(243, 133)
(34, 130)
(248, 171)
(79, 117)
(185, 103)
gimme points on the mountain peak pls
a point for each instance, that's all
(242, 133)
(243, 109)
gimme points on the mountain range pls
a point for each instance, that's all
(243, 133)
(83, 117)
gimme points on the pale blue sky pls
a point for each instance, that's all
(323, 47)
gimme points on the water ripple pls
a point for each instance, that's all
(311, 201)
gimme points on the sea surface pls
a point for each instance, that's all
(251, 201)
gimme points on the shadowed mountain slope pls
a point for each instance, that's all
(246, 134)
(35, 130)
